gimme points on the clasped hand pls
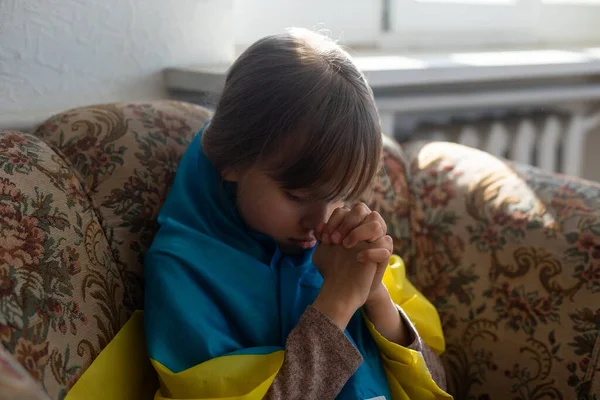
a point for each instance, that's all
(352, 256)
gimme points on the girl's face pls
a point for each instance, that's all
(289, 217)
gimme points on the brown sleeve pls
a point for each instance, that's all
(434, 365)
(432, 361)
(319, 360)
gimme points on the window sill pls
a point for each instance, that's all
(428, 82)
(385, 70)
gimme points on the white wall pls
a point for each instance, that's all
(355, 22)
(56, 54)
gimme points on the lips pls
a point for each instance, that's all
(305, 243)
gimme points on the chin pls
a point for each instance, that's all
(290, 249)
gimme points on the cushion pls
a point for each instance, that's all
(60, 287)
(126, 156)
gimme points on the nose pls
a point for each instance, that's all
(318, 213)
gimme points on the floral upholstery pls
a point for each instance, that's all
(510, 256)
(45, 259)
(78, 204)
(390, 197)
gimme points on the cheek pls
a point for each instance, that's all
(282, 214)
(269, 215)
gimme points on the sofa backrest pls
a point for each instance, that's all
(126, 156)
(83, 195)
(79, 200)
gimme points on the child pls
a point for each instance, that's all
(241, 302)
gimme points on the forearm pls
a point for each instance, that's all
(384, 315)
(319, 360)
(393, 324)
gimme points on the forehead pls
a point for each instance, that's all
(308, 186)
(327, 164)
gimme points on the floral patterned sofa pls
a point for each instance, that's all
(509, 255)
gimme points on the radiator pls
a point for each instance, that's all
(553, 140)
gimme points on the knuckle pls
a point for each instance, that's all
(361, 208)
(364, 208)
(384, 229)
(374, 231)
(389, 241)
(337, 213)
(377, 217)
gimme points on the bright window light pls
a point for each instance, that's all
(572, 2)
(378, 63)
(593, 52)
(474, 2)
(507, 58)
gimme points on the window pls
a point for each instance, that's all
(442, 23)
(426, 24)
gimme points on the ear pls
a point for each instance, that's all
(231, 175)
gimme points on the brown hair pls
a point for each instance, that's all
(296, 105)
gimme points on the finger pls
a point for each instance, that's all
(332, 224)
(375, 216)
(378, 256)
(379, 273)
(385, 242)
(319, 231)
(366, 232)
(351, 220)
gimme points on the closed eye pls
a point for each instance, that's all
(293, 197)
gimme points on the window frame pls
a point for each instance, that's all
(425, 25)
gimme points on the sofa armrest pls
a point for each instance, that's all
(510, 256)
(60, 288)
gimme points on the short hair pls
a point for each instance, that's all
(297, 105)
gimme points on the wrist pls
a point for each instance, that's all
(379, 295)
(385, 316)
(338, 309)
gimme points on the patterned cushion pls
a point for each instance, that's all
(55, 266)
(77, 213)
(126, 156)
(510, 256)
